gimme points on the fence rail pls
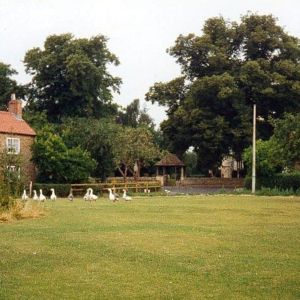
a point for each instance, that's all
(130, 179)
(138, 186)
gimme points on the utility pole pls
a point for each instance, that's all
(254, 150)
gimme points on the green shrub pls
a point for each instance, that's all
(6, 200)
(282, 182)
(274, 192)
(61, 190)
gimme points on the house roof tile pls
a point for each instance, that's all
(9, 123)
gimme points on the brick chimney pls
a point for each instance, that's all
(15, 106)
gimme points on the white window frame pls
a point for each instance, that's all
(13, 143)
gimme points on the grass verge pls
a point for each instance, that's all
(189, 247)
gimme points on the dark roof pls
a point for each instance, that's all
(9, 123)
(170, 160)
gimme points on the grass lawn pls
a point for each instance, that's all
(196, 247)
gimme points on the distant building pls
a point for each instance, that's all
(230, 165)
(16, 137)
(169, 164)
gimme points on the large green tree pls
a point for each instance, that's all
(70, 77)
(97, 136)
(8, 85)
(132, 115)
(224, 71)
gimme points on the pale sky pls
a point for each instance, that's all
(139, 32)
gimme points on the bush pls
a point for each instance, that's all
(268, 158)
(282, 182)
(58, 163)
(275, 192)
(61, 190)
(6, 200)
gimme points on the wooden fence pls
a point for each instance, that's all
(130, 179)
(137, 186)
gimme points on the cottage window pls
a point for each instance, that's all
(13, 145)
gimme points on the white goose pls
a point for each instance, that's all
(41, 196)
(53, 196)
(35, 196)
(71, 197)
(125, 197)
(112, 196)
(86, 197)
(92, 196)
(24, 196)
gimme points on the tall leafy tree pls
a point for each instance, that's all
(8, 85)
(97, 136)
(134, 116)
(70, 77)
(225, 70)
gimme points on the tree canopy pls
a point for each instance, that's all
(224, 71)
(70, 77)
(287, 137)
(8, 85)
(133, 146)
(134, 116)
(95, 136)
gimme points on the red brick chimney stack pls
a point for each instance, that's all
(15, 106)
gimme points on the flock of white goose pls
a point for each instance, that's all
(89, 195)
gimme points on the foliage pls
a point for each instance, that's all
(58, 163)
(6, 200)
(276, 192)
(281, 181)
(224, 71)
(133, 145)
(37, 120)
(287, 136)
(96, 137)
(134, 116)
(8, 85)
(11, 173)
(269, 156)
(70, 77)
(190, 161)
(61, 190)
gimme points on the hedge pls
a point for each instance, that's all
(61, 190)
(288, 181)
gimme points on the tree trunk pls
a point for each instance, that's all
(122, 173)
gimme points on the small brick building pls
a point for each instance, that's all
(16, 136)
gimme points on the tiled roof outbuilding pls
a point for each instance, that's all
(170, 160)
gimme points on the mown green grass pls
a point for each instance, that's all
(196, 247)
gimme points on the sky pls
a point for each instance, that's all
(139, 32)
